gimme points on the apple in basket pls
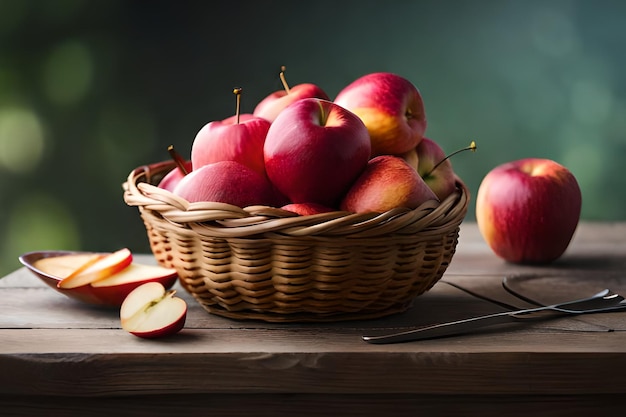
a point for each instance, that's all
(435, 168)
(151, 311)
(227, 182)
(274, 103)
(238, 138)
(387, 182)
(182, 168)
(307, 209)
(315, 150)
(527, 210)
(411, 158)
(95, 278)
(392, 109)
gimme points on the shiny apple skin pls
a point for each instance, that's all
(307, 209)
(270, 107)
(173, 177)
(232, 139)
(314, 151)
(227, 182)
(388, 182)
(391, 107)
(443, 179)
(170, 330)
(528, 210)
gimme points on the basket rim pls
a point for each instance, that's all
(226, 220)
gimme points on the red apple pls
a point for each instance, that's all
(151, 311)
(237, 138)
(314, 151)
(97, 269)
(392, 109)
(411, 158)
(388, 182)
(274, 103)
(183, 167)
(528, 210)
(227, 182)
(172, 178)
(442, 179)
(307, 209)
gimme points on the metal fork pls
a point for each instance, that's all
(603, 301)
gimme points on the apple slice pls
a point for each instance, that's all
(114, 289)
(136, 272)
(63, 265)
(98, 269)
(151, 311)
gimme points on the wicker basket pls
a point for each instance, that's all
(268, 264)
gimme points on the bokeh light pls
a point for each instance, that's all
(38, 221)
(67, 73)
(592, 102)
(21, 140)
(553, 31)
(12, 14)
(123, 132)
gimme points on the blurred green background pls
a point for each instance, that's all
(90, 89)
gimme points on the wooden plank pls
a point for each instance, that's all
(305, 405)
(291, 361)
(69, 358)
(41, 307)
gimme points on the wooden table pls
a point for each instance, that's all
(59, 357)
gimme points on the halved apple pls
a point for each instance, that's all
(97, 269)
(151, 311)
(53, 266)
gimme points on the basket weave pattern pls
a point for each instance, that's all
(265, 263)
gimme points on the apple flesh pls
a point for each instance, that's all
(62, 266)
(442, 180)
(97, 269)
(314, 151)
(151, 311)
(387, 182)
(528, 210)
(392, 109)
(134, 273)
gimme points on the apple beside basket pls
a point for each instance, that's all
(268, 264)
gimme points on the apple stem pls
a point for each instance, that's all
(283, 79)
(237, 92)
(180, 162)
(472, 147)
